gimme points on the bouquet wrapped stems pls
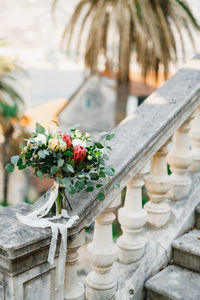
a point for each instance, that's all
(61, 200)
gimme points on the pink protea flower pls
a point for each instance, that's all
(67, 139)
(79, 153)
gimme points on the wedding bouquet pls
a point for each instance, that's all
(76, 163)
(72, 159)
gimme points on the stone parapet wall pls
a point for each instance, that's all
(140, 138)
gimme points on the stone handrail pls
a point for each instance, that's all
(139, 138)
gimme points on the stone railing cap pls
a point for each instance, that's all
(137, 138)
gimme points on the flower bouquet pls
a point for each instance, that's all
(72, 159)
(76, 163)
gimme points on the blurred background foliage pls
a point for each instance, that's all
(11, 107)
(116, 29)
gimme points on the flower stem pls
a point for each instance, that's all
(69, 203)
(63, 198)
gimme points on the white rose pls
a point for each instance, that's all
(41, 138)
(62, 145)
(77, 142)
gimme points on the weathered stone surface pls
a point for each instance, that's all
(158, 247)
(198, 217)
(186, 250)
(174, 283)
(1, 291)
(153, 123)
(36, 283)
(137, 138)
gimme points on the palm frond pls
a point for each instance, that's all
(146, 27)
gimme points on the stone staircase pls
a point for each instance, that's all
(180, 281)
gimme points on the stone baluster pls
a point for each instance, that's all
(195, 138)
(132, 218)
(158, 185)
(73, 290)
(180, 159)
(101, 283)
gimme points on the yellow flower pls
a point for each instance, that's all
(53, 144)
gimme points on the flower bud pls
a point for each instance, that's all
(87, 135)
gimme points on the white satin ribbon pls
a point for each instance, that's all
(36, 219)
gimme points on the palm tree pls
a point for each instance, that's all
(118, 28)
(10, 102)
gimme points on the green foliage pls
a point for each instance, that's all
(8, 111)
(44, 154)
(101, 196)
(110, 137)
(10, 167)
(14, 159)
(116, 185)
(39, 129)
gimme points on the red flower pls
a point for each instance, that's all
(79, 153)
(67, 139)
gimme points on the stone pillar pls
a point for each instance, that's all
(180, 159)
(195, 137)
(132, 218)
(157, 185)
(101, 283)
(73, 290)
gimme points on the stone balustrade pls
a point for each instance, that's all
(165, 128)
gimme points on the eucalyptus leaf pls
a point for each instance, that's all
(54, 169)
(14, 159)
(101, 197)
(90, 189)
(70, 168)
(60, 163)
(80, 184)
(19, 162)
(99, 145)
(66, 182)
(108, 171)
(94, 176)
(41, 154)
(39, 129)
(46, 152)
(102, 174)
(99, 186)
(21, 167)
(59, 180)
(71, 189)
(116, 185)
(105, 156)
(9, 167)
(109, 137)
(39, 174)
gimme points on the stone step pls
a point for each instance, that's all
(186, 250)
(174, 283)
(198, 217)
